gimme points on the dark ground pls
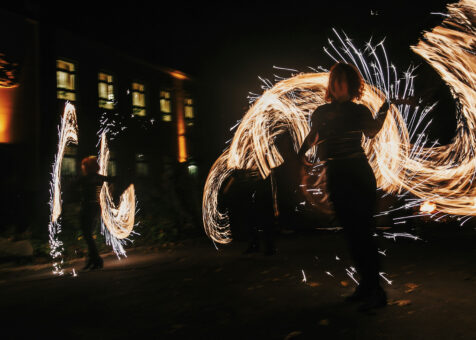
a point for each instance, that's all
(192, 291)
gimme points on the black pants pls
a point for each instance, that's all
(352, 188)
(88, 220)
(262, 214)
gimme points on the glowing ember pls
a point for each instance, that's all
(441, 174)
(68, 134)
(428, 207)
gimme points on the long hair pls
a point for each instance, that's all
(90, 164)
(345, 72)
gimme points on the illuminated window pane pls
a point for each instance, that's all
(111, 168)
(138, 99)
(106, 91)
(192, 170)
(138, 87)
(64, 65)
(189, 112)
(68, 166)
(65, 80)
(102, 90)
(166, 106)
(61, 94)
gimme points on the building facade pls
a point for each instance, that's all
(149, 111)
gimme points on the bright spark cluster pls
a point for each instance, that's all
(117, 222)
(441, 174)
(68, 134)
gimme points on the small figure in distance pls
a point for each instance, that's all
(90, 186)
(337, 127)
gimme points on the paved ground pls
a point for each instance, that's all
(194, 291)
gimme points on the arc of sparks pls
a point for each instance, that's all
(441, 174)
(68, 134)
(117, 221)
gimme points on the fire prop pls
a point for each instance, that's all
(68, 134)
(440, 174)
(117, 222)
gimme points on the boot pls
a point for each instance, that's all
(89, 264)
(97, 264)
(359, 294)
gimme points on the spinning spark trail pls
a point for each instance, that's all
(117, 222)
(441, 174)
(68, 134)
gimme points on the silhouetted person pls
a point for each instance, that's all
(90, 185)
(250, 200)
(287, 183)
(337, 129)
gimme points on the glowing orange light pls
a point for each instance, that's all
(6, 113)
(178, 75)
(428, 207)
(182, 151)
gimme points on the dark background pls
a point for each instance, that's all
(226, 46)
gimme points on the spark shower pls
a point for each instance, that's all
(442, 174)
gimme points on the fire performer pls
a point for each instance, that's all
(337, 127)
(90, 185)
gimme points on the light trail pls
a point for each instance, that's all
(351, 273)
(382, 275)
(117, 222)
(442, 174)
(394, 236)
(68, 134)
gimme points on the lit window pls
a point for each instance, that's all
(105, 91)
(69, 163)
(189, 113)
(138, 99)
(165, 106)
(65, 80)
(111, 168)
(192, 170)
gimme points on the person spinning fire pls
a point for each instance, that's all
(337, 127)
(90, 186)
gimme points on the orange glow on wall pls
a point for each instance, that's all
(7, 96)
(180, 118)
(182, 141)
(178, 75)
(182, 149)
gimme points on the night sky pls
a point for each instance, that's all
(226, 46)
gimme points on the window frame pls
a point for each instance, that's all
(144, 92)
(189, 121)
(75, 83)
(164, 114)
(113, 84)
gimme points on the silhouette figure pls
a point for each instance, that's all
(337, 127)
(89, 186)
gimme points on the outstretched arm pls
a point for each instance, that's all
(308, 143)
(373, 125)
